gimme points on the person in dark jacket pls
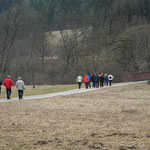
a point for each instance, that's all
(101, 80)
(96, 81)
(0, 87)
(93, 80)
(8, 83)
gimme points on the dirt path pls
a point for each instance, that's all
(70, 92)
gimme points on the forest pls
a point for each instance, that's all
(53, 41)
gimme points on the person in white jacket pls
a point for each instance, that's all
(79, 81)
(110, 78)
(21, 87)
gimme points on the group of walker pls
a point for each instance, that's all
(8, 83)
(97, 80)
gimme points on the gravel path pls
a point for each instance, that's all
(70, 92)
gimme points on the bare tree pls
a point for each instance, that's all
(131, 49)
(11, 22)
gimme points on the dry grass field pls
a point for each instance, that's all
(116, 118)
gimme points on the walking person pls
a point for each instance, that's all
(101, 80)
(21, 87)
(90, 79)
(106, 79)
(0, 87)
(86, 81)
(110, 78)
(79, 81)
(96, 80)
(93, 80)
(99, 83)
(8, 83)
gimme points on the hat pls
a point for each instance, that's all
(19, 78)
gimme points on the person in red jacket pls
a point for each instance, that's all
(8, 83)
(86, 81)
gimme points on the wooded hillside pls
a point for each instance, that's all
(53, 41)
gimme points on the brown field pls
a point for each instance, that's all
(116, 118)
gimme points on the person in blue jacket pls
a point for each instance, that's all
(90, 79)
(106, 79)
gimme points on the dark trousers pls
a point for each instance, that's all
(101, 84)
(86, 85)
(93, 84)
(8, 92)
(79, 84)
(110, 81)
(20, 94)
(97, 84)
